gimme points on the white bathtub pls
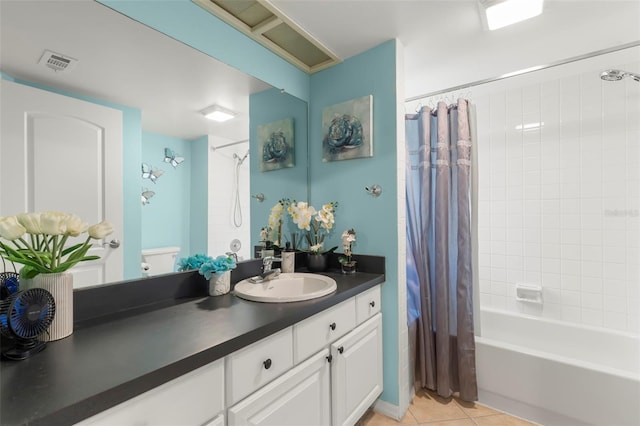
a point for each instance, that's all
(557, 373)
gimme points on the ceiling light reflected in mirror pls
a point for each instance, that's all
(501, 13)
(218, 113)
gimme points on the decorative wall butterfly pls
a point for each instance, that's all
(149, 173)
(171, 157)
(146, 195)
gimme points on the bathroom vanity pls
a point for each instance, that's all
(210, 361)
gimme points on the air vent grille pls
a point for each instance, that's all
(57, 61)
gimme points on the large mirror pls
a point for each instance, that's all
(185, 179)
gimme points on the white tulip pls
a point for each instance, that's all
(100, 230)
(53, 223)
(31, 222)
(10, 228)
(75, 226)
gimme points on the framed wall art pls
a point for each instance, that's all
(347, 130)
(276, 144)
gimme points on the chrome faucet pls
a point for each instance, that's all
(232, 254)
(267, 272)
(267, 262)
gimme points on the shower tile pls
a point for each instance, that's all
(571, 314)
(570, 282)
(591, 221)
(570, 267)
(532, 276)
(591, 269)
(615, 287)
(570, 251)
(550, 234)
(515, 275)
(591, 236)
(532, 250)
(499, 302)
(552, 295)
(633, 324)
(614, 237)
(592, 317)
(550, 191)
(615, 320)
(498, 274)
(613, 271)
(532, 220)
(498, 234)
(552, 311)
(614, 254)
(569, 190)
(615, 304)
(498, 261)
(592, 284)
(570, 221)
(532, 264)
(591, 301)
(551, 265)
(551, 249)
(532, 191)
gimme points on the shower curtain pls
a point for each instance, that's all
(439, 248)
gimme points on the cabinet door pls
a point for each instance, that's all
(300, 397)
(356, 371)
(192, 399)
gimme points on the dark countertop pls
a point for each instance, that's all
(104, 363)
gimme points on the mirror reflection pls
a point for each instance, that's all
(178, 181)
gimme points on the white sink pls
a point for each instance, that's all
(290, 287)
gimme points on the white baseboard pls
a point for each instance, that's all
(388, 409)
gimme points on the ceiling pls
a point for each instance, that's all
(445, 45)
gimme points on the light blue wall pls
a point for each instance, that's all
(265, 107)
(374, 219)
(199, 205)
(165, 220)
(189, 23)
(132, 140)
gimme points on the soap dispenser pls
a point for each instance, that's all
(288, 259)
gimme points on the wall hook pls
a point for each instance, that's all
(259, 197)
(374, 190)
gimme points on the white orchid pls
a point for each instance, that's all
(44, 250)
(348, 238)
(306, 217)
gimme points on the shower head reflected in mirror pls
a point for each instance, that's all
(617, 75)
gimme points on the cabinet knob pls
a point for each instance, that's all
(329, 358)
(372, 303)
(341, 349)
(267, 364)
(332, 326)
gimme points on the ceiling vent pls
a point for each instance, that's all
(57, 62)
(269, 26)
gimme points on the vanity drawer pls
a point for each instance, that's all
(367, 304)
(312, 334)
(199, 395)
(256, 365)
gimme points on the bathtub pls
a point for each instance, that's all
(557, 373)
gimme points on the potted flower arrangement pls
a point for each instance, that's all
(217, 271)
(347, 263)
(39, 242)
(318, 224)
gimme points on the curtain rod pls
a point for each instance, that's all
(229, 144)
(525, 71)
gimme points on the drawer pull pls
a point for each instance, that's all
(267, 364)
(341, 349)
(332, 326)
(372, 303)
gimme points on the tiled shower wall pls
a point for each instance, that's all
(559, 200)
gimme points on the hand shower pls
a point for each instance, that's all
(617, 75)
(237, 209)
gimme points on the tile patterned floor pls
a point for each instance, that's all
(429, 409)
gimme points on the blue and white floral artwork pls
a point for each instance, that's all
(276, 144)
(347, 130)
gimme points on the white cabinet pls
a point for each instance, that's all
(300, 397)
(195, 398)
(257, 364)
(356, 372)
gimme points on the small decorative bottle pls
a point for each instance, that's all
(288, 259)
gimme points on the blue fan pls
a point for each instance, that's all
(24, 316)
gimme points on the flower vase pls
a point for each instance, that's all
(60, 285)
(220, 283)
(317, 262)
(348, 268)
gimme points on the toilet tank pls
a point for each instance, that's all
(159, 260)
